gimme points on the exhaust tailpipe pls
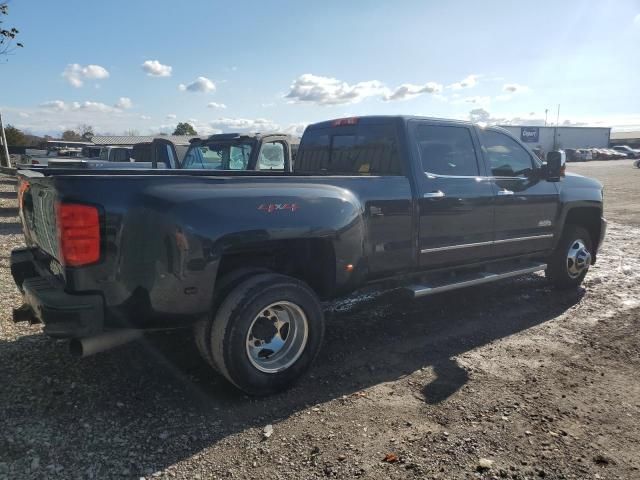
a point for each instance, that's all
(83, 347)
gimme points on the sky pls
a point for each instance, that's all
(144, 66)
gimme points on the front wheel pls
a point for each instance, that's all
(266, 333)
(570, 261)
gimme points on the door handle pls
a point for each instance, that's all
(505, 192)
(436, 194)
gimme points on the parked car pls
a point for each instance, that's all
(627, 150)
(585, 154)
(244, 257)
(616, 155)
(572, 155)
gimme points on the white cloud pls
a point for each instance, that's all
(145, 117)
(482, 116)
(514, 88)
(479, 115)
(23, 115)
(124, 103)
(172, 116)
(221, 106)
(475, 100)
(244, 124)
(296, 129)
(57, 105)
(92, 107)
(76, 74)
(510, 90)
(636, 19)
(409, 90)
(200, 84)
(156, 69)
(467, 82)
(87, 106)
(310, 88)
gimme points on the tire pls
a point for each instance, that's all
(569, 263)
(246, 325)
(202, 329)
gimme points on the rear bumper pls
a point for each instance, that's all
(64, 315)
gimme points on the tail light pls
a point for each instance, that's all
(23, 186)
(35, 162)
(78, 234)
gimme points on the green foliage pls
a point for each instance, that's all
(71, 136)
(7, 35)
(184, 129)
(15, 136)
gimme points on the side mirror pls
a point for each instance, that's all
(554, 166)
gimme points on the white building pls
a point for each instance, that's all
(556, 138)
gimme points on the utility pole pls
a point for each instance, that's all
(555, 130)
(6, 162)
(546, 112)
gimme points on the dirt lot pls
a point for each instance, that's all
(510, 380)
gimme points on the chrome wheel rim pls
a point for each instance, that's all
(277, 337)
(578, 258)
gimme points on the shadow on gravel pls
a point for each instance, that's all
(9, 195)
(8, 212)
(10, 228)
(151, 404)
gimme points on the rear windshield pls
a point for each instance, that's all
(349, 150)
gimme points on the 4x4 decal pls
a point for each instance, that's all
(274, 207)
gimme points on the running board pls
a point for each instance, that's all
(468, 280)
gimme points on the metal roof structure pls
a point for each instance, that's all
(633, 135)
(132, 140)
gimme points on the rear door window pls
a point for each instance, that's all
(445, 150)
(349, 150)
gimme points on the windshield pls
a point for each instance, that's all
(219, 156)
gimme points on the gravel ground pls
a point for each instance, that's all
(507, 380)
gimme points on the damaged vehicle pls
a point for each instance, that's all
(244, 258)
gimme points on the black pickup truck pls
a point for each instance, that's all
(245, 257)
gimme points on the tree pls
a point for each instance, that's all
(85, 131)
(184, 129)
(71, 136)
(15, 136)
(7, 36)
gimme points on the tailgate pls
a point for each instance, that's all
(37, 200)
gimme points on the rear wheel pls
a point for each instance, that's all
(266, 333)
(569, 263)
(224, 285)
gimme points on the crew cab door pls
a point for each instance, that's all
(455, 197)
(526, 206)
